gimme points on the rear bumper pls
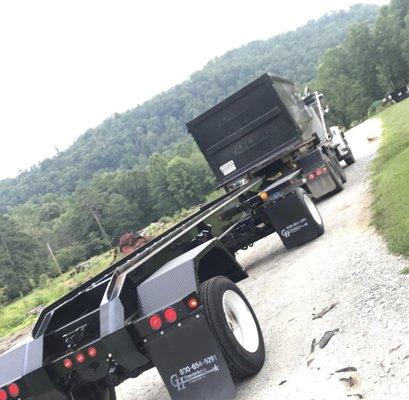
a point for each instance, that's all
(321, 186)
(40, 387)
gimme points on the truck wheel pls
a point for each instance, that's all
(350, 159)
(338, 168)
(339, 186)
(341, 171)
(235, 326)
(336, 177)
(94, 392)
(312, 210)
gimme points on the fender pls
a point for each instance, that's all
(182, 275)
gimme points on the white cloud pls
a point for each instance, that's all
(67, 65)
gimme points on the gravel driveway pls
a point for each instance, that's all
(348, 266)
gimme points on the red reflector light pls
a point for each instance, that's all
(92, 352)
(80, 358)
(155, 322)
(311, 177)
(318, 172)
(13, 390)
(3, 394)
(193, 303)
(68, 363)
(170, 315)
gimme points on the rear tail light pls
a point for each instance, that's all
(316, 173)
(13, 390)
(155, 322)
(321, 171)
(3, 394)
(68, 363)
(80, 358)
(193, 303)
(170, 315)
(92, 352)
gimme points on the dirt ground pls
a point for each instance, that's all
(349, 266)
(9, 342)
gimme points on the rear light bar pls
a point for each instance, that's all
(193, 303)
(68, 363)
(155, 322)
(79, 358)
(317, 173)
(92, 352)
(170, 315)
(13, 390)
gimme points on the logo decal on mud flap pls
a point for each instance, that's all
(194, 372)
(294, 227)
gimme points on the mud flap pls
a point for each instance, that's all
(190, 361)
(291, 220)
(321, 186)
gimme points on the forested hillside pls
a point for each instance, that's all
(373, 61)
(127, 140)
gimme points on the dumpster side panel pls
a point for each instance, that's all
(265, 120)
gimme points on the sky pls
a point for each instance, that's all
(67, 65)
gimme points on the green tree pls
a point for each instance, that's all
(347, 99)
(90, 202)
(405, 40)
(163, 203)
(392, 66)
(362, 54)
(22, 259)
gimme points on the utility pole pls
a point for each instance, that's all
(6, 248)
(86, 200)
(54, 259)
(97, 220)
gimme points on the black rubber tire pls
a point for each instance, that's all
(94, 392)
(350, 159)
(340, 170)
(336, 177)
(241, 363)
(301, 192)
(338, 167)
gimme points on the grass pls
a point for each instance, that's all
(16, 316)
(157, 228)
(391, 180)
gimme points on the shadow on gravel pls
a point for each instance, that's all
(265, 256)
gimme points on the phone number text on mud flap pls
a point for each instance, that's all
(198, 364)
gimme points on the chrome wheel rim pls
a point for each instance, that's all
(312, 208)
(241, 321)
